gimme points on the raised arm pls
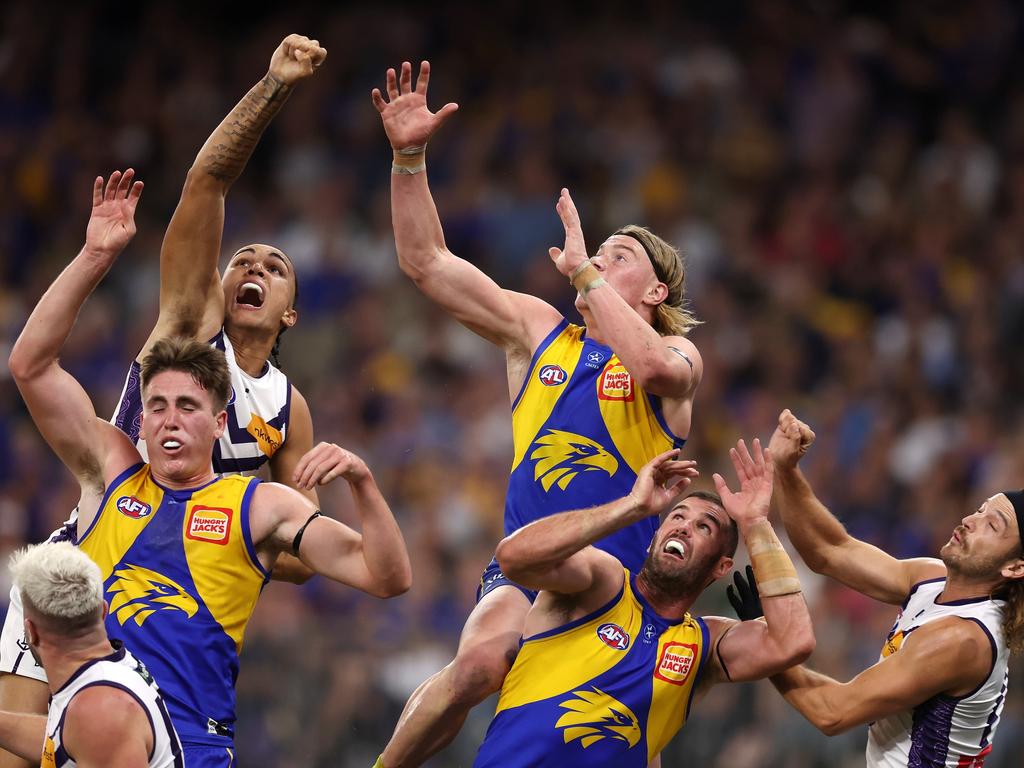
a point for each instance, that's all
(750, 650)
(503, 317)
(60, 407)
(191, 297)
(950, 656)
(667, 366)
(373, 559)
(822, 540)
(554, 553)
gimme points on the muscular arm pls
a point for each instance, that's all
(105, 726)
(90, 447)
(505, 318)
(191, 297)
(373, 560)
(827, 548)
(946, 656)
(751, 650)
(23, 734)
(555, 552)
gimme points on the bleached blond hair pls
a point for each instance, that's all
(61, 584)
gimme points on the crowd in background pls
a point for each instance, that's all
(847, 188)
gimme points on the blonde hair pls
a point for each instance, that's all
(671, 317)
(60, 583)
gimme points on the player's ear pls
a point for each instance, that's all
(31, 633)
(656, 294)
(1013, 570)
(290, 317)
(723, 567)
(222, 424)
(106, 609)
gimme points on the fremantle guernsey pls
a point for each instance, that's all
(608, 690)
(123, 671)
(582, 430)
(945, 731)
(181, 578)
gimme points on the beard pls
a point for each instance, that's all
(959, 560)
(678, 580)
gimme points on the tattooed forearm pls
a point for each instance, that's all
(229, 148)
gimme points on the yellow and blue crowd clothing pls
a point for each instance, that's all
(582, 429)
(608, 690)
(181, 578)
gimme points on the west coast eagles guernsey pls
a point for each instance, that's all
(945, 731)
(582, 430)
(123, 671)
(181, 577)
(258, 413)
(606, 691)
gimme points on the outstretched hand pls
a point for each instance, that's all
(755, 474)
(661, 482)
(408, 121)
(296, 58)
(326, 461)
(112, 222)
(790, 441)
(574, 253)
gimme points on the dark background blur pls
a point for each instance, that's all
(847, 184)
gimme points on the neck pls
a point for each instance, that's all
(666, 604)
(180, 483)
(960, 587)
(252, 348)
(61, 660)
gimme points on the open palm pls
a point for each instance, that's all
(755, 473)
(408, 121)
(112, 223)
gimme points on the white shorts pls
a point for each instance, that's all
(15, 657)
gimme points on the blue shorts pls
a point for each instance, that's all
(205, 756)
(494, 578)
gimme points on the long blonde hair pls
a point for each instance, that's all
(671, 317)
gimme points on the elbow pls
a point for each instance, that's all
(420, 264)
(394, 584)
(203, 181)
(831, 726)
(510, 559)
(22, 364)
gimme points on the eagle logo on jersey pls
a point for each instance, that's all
(139, 593)
(594, 715)
(562, 455)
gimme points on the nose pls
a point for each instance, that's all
(256, 268)
(598, 262)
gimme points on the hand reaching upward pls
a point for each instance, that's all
(112, 222)
(755, 474)
(408, 121)
(297, 57)
(575, 252)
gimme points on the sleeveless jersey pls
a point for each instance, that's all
(945, 731)
(608, 690)
(582, 429)
(123, 671)
(258, 412)
(181, 577)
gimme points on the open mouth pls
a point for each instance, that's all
(170, 445)
(676, 548)
(250, 295)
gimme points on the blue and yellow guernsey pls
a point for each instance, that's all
(181, 578)
(582, 430)
(606, 691)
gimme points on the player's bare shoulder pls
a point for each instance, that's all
(684, 349)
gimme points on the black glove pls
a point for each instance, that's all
(745, 600)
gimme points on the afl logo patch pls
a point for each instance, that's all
(613, 636)
(212, 524)
(131, 507)
(552, 375)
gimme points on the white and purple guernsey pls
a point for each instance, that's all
(945, 731)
